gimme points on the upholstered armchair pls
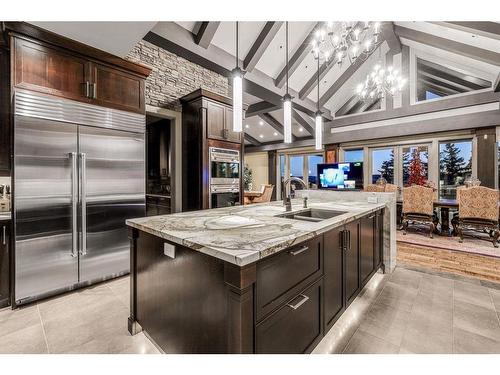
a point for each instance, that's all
(375, 188)
(391, 188)
(478, 210)
(266, 195)
(418, 204)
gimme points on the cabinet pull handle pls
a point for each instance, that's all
(87, 89)
(349, 240)
(298, 251)
(3, 241)
(300, 303)
(94, 90)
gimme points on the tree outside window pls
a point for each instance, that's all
(455, 166)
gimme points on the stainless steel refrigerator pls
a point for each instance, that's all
(78, 175)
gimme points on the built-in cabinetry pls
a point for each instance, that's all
(5, 127)
(283, 303)
(5, 227)
(207, 121)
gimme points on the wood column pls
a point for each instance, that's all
(271, 171)
(486, 156)
(240, 310)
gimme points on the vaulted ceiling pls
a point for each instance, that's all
(470, 48)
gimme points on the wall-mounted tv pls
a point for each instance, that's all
(346, 176)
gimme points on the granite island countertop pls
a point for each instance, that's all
(244, 234)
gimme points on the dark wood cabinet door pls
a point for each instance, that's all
(4, 263)
(215, 120)
(231, 135)
(43, 68)
(295, 328)
(333, 276)
(117, 89)
(352, 262)
(367, 244)
(5, 123)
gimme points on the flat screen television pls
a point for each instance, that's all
(341, 176)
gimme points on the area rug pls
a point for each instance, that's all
(470, 244)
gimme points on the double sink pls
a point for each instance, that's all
(311, 214)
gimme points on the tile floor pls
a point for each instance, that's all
(409, 311)
(92, 320)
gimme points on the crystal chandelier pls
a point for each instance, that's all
(352, 40)
(380, 83)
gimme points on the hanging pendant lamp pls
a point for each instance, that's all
(237, 75)
(318, 123)
(287, 99)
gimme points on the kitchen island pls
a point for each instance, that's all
(253, 279)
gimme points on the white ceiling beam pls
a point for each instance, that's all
(485, 29)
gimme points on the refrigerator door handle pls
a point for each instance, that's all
(74, 204)
(83, 166)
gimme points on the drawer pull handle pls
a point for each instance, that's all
(300, 303)
(298, 251)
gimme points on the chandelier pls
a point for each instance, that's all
(351, 40)
(380, 83)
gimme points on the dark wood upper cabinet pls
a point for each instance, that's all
(117, 89)
(231, 135)
(51, 64)
(215, 120)
(44, 68)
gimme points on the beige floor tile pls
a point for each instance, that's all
(465, 342)
(406, 278)
(476, 319)
(397, 296)
(364, 343)
(495, 296)
(29, 340)
(474, 294)
(15, 320)
(386, 323)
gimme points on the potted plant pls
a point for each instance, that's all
(247, 178)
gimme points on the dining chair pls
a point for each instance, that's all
(265, 196)
(375, 188)
(418, 207)
(478, 211)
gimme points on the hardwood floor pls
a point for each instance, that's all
(456, 262)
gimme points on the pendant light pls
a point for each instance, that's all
(287, 99)
(237, 75)
(318, 123)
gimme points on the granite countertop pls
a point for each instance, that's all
(245, 234)
(5, 216)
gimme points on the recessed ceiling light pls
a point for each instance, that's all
(247, 126)
(261, 123)
(301, 129)
(261, 136)
(275, 134)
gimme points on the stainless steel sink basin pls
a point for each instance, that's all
(312, 214)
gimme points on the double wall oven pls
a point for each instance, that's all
(225, 174)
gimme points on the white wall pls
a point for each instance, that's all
(258, 163)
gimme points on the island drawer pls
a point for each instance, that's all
(281, 276)
(294, 328)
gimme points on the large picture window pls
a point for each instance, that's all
(352, 156)
(303, 166)
(383, 165)
(415, 165)
(455, 165)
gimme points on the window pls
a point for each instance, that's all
(303, 166)
(353, 155)
(313, 161)
(435, 81)
(455, 165)
(415, 165)
(383, 165)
